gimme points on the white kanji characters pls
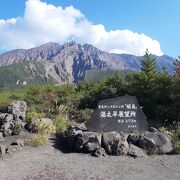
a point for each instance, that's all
(120, 120)
(121, 114)
(133, 114)
(134, 106)
(127, 113)
(115, 114)
(128, 106)
(108, 114)
(103, 114)
(130, 121)
(122, 106)
(132, 126)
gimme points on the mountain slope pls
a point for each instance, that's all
(22, 74)
(70, 61)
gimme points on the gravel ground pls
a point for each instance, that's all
(49, 163)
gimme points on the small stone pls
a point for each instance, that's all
(133, 139)
(135, 151)
(100, 152)
(13, 148)
(148, 144)
(152, 129)
(115, 143)
(2, 150)
(91, 141)
(19, 142)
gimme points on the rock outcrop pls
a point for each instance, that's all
(17, 109)
(115, 143)
(14, 119)
(153, 141)
(70, 61)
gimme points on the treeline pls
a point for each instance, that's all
(157, 93)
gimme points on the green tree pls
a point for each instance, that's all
(148, 66)
(177, 67)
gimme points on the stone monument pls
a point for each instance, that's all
(121, 114)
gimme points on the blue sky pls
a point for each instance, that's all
(157, 19)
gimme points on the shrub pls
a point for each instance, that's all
(16, 129)
(37, 140)
(34, 114)
(174, 133)
(44, 128)
(177, 147)
(81, 115)
(61, 124)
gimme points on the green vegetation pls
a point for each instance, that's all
(14, 76)
(6, 97)
(37, 140)
(43, 128)
(60, 124)
(96, 75)
(33, 114)
(174, 132)
(158, 94)
(16, 129)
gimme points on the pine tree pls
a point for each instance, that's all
(177, 67)
(148, 66)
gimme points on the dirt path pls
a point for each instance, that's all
(48, 163)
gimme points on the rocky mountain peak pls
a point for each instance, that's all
(70, 61)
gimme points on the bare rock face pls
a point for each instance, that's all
(135, 151)
(152, 141)
(161, 140)
(70, 61)
(91, 141)
(147, 144)
(115, 143)
(81, 127)
(133, 139)
(17, 109)
(100, 152)
(84, 141)
(7, 120)
(12, 121)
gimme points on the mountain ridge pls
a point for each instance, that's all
(70, 61)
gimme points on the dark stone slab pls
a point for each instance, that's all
(121, 114)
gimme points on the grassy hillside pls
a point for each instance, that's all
(19, 75)
(96, 75)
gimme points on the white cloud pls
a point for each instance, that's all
(44, 23)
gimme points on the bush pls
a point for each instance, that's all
(37, 140)
(60, 124)
(43, 128)
(81, 115)
(16, 129)
(174, 133)
(34, 114)
(177, 147)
